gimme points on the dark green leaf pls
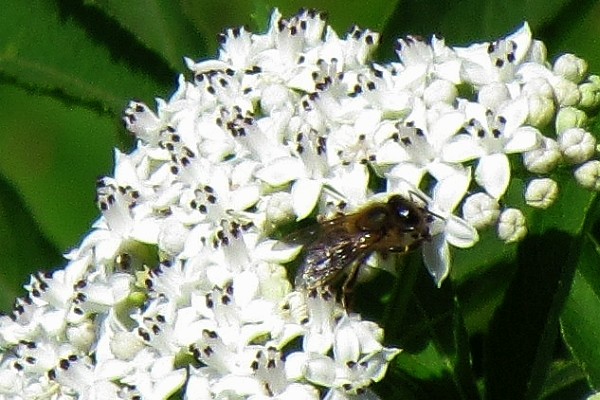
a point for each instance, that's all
(24, 248)
(579, 320)
(160, 25)
(522, 334)
(565, 381)
(435, 362)
(53, 154)
(74, 53)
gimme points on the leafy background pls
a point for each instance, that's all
(514, 322)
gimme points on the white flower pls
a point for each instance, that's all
(498, 61)
(423, 63)
(358, 358)
(490, 137)
(416, 145)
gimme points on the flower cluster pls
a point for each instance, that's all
(179, 286)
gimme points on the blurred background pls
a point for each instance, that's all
(69, 68)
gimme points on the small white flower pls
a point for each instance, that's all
(588, 175)
(423, 63)
(484, 63)
(541, 193)
(142, 122)
(416, 146)
(511, 225)
(481, 210)
(490, 137)
(576, 145)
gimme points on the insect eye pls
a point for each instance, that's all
(407, 216)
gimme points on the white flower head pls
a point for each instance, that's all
(180, 288)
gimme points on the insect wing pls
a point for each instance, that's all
(330, 253)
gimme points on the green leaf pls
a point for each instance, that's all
(486, 19)
(52, 154)
(24, 248)
(575, 31)
(435, 362)
(161, 25)
(565, 381)
(76, 54)
(579, 321)
(523, 331)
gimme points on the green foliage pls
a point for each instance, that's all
(513, 322)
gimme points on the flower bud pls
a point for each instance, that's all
(172, 236)
(543, 159)
(588, 175)
(590, 92)
(576, 145)
(481, 210)
(569, 117)
(541, 111)
(279, 209)
(541, 193)
(538, 86)
(570, 67)
(511, 225)
(566, 92)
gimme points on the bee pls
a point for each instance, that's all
(340, 246)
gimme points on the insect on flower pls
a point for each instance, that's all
(338, 247)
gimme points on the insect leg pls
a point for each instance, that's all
(350, 281)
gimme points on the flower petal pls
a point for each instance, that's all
(305, 194)
(493, 174)
(525, 138)
(436, 255)
(461, 148)
(281, 171)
